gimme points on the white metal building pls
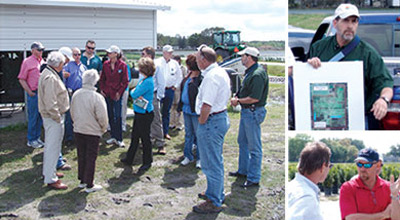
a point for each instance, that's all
(130, 24)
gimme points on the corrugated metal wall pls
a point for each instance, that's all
(72, 26)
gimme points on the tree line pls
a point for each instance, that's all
(205, 37)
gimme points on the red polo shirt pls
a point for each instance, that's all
(115, 81)
(355, 197)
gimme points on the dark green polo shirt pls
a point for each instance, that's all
(376, 75)
(255, 85)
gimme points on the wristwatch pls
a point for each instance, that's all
(386, 100)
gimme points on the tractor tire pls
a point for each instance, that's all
(221, 54)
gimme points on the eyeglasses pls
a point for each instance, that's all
(366, 165)
(76, 54)
(40, 50)
(91, 48)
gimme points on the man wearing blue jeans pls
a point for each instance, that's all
(28, 78)
(214, 93)
(252, 97)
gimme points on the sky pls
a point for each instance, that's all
(380, 140)
(261, 20)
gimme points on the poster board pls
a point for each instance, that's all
(330, 97)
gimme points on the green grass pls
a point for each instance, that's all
(276, 70)
(166, 191)
(307, 21)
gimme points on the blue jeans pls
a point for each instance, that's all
(166, 107)
(34, 119)
(191, 124)
(210, 139)
(69, 128)
(114, 110)
(249, 139)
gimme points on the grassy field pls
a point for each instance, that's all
(166, 191)
(307, 21)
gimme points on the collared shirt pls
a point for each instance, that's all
(113, 81)
(93, 62)
(145, 89)
(185, 98)
(255, 85)
(172, 72)
(74, 81)
(355, 197)
(376, 75)
(215, 89)
(159, 81)
(30, 71)
(303, 200)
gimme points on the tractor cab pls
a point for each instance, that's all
(227, 44)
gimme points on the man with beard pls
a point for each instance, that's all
(368, 196)
(378, 83)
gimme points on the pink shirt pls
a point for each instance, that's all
(30, 71)
(355, 197)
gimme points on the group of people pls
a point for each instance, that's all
(65, 88)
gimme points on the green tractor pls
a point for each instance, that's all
(226, 44)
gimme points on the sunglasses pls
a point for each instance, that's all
(91, 48)
(76, 54)
(366, 165)
(40, 50)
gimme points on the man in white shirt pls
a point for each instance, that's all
(211, 102)
(313, 167)
(173, 77)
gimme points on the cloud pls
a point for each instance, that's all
(258, 19)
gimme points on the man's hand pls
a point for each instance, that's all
(379, 108)
(314, 62)
(234, 101)
(102, 93)
(30, 93)
(66, 74)
(394, 186)
(117, 96)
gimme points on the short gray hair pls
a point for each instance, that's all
(90, 77)
(55, 58)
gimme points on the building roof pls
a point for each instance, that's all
(120, 4)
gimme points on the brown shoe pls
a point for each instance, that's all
(206, 208)
(57, 185)
(59, 175)
(167, 137)
(203, 196)
(64, 167)
(162, 151)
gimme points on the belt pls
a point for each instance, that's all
(169, 87)
(216, 113)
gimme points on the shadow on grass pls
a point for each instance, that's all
(59, 204)
(124, 181)
(196, 216)
(23, 187)
(241, 201)
(180, 177)
(13, 147)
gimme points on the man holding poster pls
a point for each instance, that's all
(345, 45)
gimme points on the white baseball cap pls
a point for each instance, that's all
(167, 48)
(346, 10)
(66, 51)
(113, 49)
(252, 51)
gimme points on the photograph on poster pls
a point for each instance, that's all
(329, 98)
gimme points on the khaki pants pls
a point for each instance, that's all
(54, 133)
(156, 130)
(176, 117)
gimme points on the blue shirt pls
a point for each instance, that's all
(145, 88)
(93, 63)
(74, 81)
(129, 76)
(303, 200)
(185, 98)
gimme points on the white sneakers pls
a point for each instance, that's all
(198, 165)
(82, 185)
(185, 161)
(35, 144)
(112, 141)
(94, 188)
